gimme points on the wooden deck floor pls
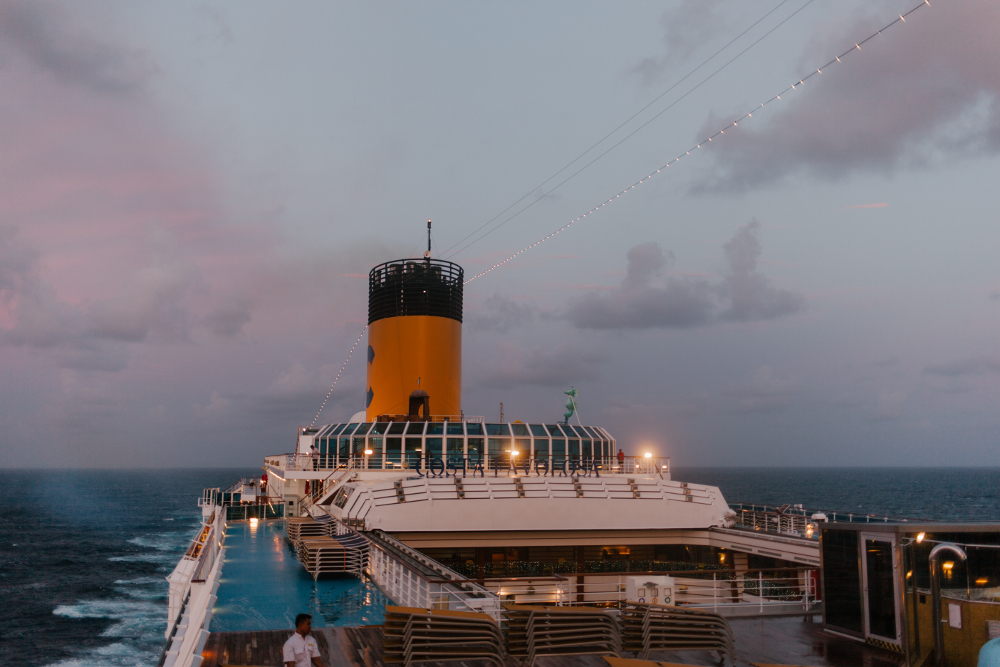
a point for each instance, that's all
(787, 641)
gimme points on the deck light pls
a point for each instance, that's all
(368, 452)
(947, 566)
(920, 537)
(514, 453)
(253, 521)
(648, 455)
(982, 581)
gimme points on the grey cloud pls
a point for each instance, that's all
(501, 314)
(229, 319)
(42, 34)
(561, 365)
(680, 302)
(684, 29)
(89, 355)
(151, 305)
(974, 366)
(910, 99)
(995, 295)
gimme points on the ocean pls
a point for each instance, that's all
(84, 553)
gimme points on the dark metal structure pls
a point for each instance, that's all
(415, 287)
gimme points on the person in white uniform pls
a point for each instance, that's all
(301, 649)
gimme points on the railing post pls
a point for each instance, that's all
(760, 590)
(715, 594)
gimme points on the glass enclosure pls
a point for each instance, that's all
(415, 444)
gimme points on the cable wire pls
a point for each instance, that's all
(630, 134)
(748, 114)
(605, 137)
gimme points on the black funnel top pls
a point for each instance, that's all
(415, 287)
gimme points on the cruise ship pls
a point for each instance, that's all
(412, 521)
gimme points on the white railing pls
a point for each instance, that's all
(749, 593)
(412, 579)
(467, 465)
(193, 585)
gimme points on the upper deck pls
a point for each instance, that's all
(462, 443)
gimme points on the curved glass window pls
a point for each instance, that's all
(499, 448)
(363, 429)
(542, 449)
(345, 449)
(474, 428)
(375, 460)
(558, 451)
(435, 428)
(415, 428)
(476, 452)
(497, 429)
(433, 448)
(349, 429)
(414, 450)
(523, 449)
(340, 427)
(456, 448)
(538, 431)
(574, 450)
(397, 428)
(519, 429)
(394, 451)
(380, 428)
(586, 452)
(359, 446)
(455, 428)
(554, 430)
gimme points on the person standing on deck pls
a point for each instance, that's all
(315, 455)
(301, 649)
(621, 458)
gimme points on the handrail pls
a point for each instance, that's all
(832, 515)
(531, 466)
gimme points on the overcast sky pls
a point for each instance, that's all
(192, 194)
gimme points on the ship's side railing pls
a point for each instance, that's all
(518, 464)
(193, 585)
(751, 592)
(797, 520)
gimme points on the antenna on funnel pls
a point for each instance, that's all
(427, 255)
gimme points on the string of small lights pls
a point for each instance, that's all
(342, 367)
(628, 120)
(749, 114)
(636, 130)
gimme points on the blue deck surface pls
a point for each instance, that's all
(263, 587)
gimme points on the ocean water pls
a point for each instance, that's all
(84, 554)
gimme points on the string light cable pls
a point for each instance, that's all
(606, 136)
(749, 114)
(334, 384)
(636, 130)
(901, 18)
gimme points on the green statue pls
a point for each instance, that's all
(570, 404)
